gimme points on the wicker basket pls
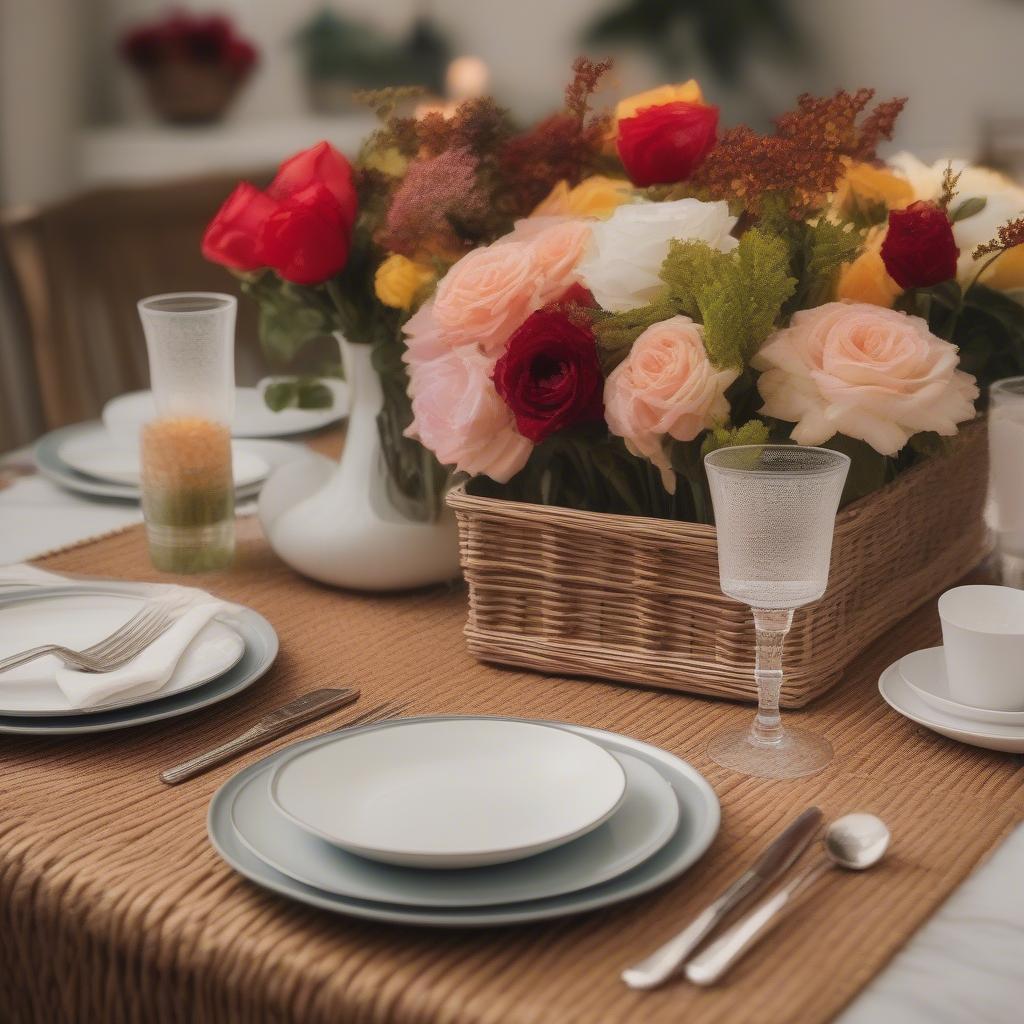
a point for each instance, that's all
(637, 600)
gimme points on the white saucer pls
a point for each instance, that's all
(643, 824)
(77, 621)
(899, 695)
(98, 454)
(925, 673)
(126, 414)
(450, 793)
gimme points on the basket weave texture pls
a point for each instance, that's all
(637, 600)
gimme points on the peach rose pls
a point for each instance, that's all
(666, 387)
(460, 417)
(557, 249)
(874, 374)
(486, 295)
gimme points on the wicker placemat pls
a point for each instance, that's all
(115, 907)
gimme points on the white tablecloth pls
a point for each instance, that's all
(966, 966)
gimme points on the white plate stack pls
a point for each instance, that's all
(464, 821)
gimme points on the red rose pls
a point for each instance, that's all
(549, 375)
(301, 226)
(664, 144)
(234, 236)
(919, 249)
(306, 239)
(322, 164)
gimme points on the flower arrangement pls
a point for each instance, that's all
(192, 65)
(680, 288)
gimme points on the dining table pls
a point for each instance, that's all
(116, 907)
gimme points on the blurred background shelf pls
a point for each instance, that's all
(140, 153)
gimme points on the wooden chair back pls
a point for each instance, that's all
(82, 264)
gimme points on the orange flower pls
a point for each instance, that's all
(1007, 272)
(864, 185)
(596, 196)
(866, 279)
(685, 92)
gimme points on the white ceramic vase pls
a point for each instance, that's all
(335, 522)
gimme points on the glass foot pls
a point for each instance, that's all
(800, 753)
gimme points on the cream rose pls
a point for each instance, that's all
(666, 387)
(487, 295)
(870, 373)
(626, 251)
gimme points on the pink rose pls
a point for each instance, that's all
(487, 295)
(557, 250)
(424, 338)
(870, 373)
(666, 387)
(458, 415)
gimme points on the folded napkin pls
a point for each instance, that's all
(150, 671)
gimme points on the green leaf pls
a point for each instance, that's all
(314, 395)
(968, 208)
(281, 394)
(826, 247)
(752, 432)
(738, 296)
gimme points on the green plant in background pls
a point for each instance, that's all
(723, 31)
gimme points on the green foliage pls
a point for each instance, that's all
(299, 393)
(737, 295)
(616, 332)
(290, 317)
(968, 208)
(751, 432)
(990, 333)
(868, 470)
(825, 247)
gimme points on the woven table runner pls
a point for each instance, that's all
(115, 907)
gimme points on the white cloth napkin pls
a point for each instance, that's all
(150, 671)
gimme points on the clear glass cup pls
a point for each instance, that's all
(775, 511)
(187, 484)
(1006, 476)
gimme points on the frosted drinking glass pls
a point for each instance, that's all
(187, 485)
(775, 509)
(1006, 475)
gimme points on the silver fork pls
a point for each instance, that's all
(125, 643)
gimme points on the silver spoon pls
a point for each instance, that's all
(854, 842)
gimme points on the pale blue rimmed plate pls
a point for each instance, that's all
(699, 817)
(261, 647)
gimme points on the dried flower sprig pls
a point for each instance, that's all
(1009, 236)
(949, 186)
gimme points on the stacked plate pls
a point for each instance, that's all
(917, 687)
(222, 660)
(464, 821)
(88, 459)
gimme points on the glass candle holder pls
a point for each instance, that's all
(187, 483)
(1006, 475)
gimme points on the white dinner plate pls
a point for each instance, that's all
(925, 673)
(126, 414)
(51, 465)
(78, 620)
(643, 824)
(899, 695)
(98, 454)
(699, 816)
(450, 793)
(260, 649)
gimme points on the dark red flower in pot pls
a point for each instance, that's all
(549, 375)
(919, 249)
(667, 143)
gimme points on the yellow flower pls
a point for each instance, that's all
(388, 161)
(865, 185)
(596, 196)
(399, 280)
(866, 279)
(1006, 272)
(685, 92)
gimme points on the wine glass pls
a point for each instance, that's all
(775, 509)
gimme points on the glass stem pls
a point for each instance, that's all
(772, 625)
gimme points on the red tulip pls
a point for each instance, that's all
(321, 163)
(667, 143)
(306, 239)
(233, 237)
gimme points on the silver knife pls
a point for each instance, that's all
(303, 709)
(665, 961)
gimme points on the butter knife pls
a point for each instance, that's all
(663, 963)
(303, 709)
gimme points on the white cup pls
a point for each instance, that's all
(983, 640)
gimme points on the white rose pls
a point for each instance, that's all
(622, 261)
(1003, 201)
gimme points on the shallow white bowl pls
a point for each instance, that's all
(450, 794)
